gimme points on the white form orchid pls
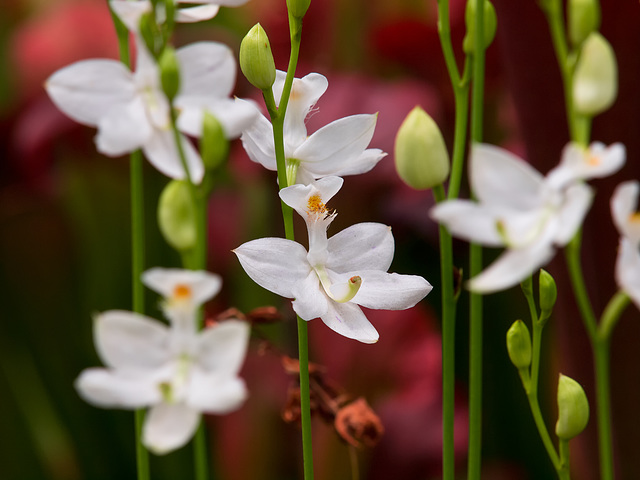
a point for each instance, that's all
(188, 11)
(624, 206)
(338, 274)
(176, 370)
(339, 148)
(520, 209)
(131, 111)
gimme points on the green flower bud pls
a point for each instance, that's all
(490, 24)
(169, 73)
(177, 215)
(214, 146)
(573, 408)
(422, 159)
(548, 293)
(148, 28)
(298, 8)
(595, 82)
(583, 17)
(256, 59)
(519, 344)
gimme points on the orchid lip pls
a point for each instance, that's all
(339, 292)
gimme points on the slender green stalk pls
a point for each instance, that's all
(603, 402)
(474, 465)
(201, 453)
(448, 343)
(612, 313)
(563, 473)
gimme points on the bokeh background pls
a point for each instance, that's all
(64, 249)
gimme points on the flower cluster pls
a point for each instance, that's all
(521, 210)
(176, 370)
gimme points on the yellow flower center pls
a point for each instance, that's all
(593, 160)
(182, 292)
(634, 218)
(315, 205)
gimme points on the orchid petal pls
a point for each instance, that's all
(215, 392)
(335, 145)
(207, 70)
(500, 178)
(310, 301)
(234, 115)
(130, 341)
(169, 426)
(624, 204)
(161, 150)
(363, 246)
(88, 90)
(388, 291)
(275, 264)
(511, 267)
(223, 347)
(197, 13)
(130, 12)
(628, 270)
(123, 130)
(202, 284)
(348, 320)
(578, 199)
(363, 163)
(470, 221)
(257, 141)
(298, 196)
(108, 389)
(579, 163)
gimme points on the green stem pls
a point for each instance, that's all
(612, 313)
(201, 453)
(603, 402)
(448, 342)
(563, 473)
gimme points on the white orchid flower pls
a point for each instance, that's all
(517, 208)
(176, 370)
(338, 274)
(339, 148)
(188, 11)
(131, 111)
(624, 206)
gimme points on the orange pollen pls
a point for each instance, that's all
(634, 217)
(315, 205)
(181, 292)
(593, 160)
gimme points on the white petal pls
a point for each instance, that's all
(207, 70)
(389, 291)
(222, 348)
(575, 208)
(334, 146)
(579, 163)
(257, 141)
(161, 151)
(88, 90)
(297, 196)
(215, 393)
(225, 3)
(363, 163)
(363, 246)
(196, 14)
(310, 301)
(275, 264)
(624, 205)
(469, 220)
(130, 341)
(235, 116)
(169, 427)
(511, 267)
(123, 129)
(628, 270)
(108, 389)
(349, 321)
(500, 178)
(203, 285)
(130, 12)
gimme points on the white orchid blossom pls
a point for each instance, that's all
(624, 209)
(176, 370)
(131, 111)
(188, 11)
(338, 274)
(339, 148)
(520, 209)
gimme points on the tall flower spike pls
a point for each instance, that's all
(339, 148)
(176, 370)
(129, 11)
(624, 205)
(338, 274)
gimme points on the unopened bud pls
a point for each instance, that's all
(169, 72)
(548, 293)
(490, 22)
(147, 31)
(214, 146)
(583, 17)
(422, 159)
(595, 82)
(573, 408)
(177, 215)
(519, 344)
(298, 8)
(256, 59)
